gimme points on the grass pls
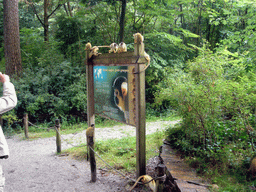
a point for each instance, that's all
(225, 180)
(228, 182)
(121, 153)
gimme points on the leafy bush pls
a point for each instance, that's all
(69, 32)
(55, 89)
(166, 52)
(218, 110)
(32, 46)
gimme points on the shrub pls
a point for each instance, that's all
(218, 111)
(166, 52)
(55, 90)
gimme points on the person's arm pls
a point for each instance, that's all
(9, 99)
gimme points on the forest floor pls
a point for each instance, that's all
(33, 165)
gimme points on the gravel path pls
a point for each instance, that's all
(115, 132)
(33, 166)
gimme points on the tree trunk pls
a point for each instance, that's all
(69, 9)
(199, 22)
(12, 38)
(182, 17)
(121, 24)
(208, 30)
(46, 21)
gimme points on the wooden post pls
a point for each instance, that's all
(58, 139)
(90, 143)
(25, 122)
(90, 90)
(90, 113)
(160, 169)
(140, 112)
(92, 160)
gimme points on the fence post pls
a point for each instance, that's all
(58, 139)
(25, 122)
(90, 114)
(90, 147)
(140, 103)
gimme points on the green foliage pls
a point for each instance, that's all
(51, 86)
(240, 33)
(10, 117)
(55, 89)
(215, 97)
(166, 51)
(27, 16)
(32, 47)
(70, 30)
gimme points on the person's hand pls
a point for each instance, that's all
(3, 78)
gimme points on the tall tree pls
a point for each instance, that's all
(122, 21)
(12, 38)
(45, 21)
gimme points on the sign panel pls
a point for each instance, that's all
(114, 93)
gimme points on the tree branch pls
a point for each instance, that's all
(69, 9)
(64, 5)
(34, 9)
(101, 22)
(54, 10)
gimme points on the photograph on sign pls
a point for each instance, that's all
(112, 95)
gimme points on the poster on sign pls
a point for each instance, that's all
(113, 93)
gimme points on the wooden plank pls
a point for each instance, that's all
(90, 92)
(90, 114)
(140, 113)
(92, 160)
(118, 59)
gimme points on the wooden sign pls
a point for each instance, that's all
(116, 90)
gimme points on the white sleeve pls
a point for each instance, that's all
(9, 99)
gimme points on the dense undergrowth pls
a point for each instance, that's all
(215, 97)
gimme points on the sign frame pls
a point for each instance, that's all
(137, 60)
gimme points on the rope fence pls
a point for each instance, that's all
(58, 143)
(58, 133)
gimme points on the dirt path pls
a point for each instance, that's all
(34, 167)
